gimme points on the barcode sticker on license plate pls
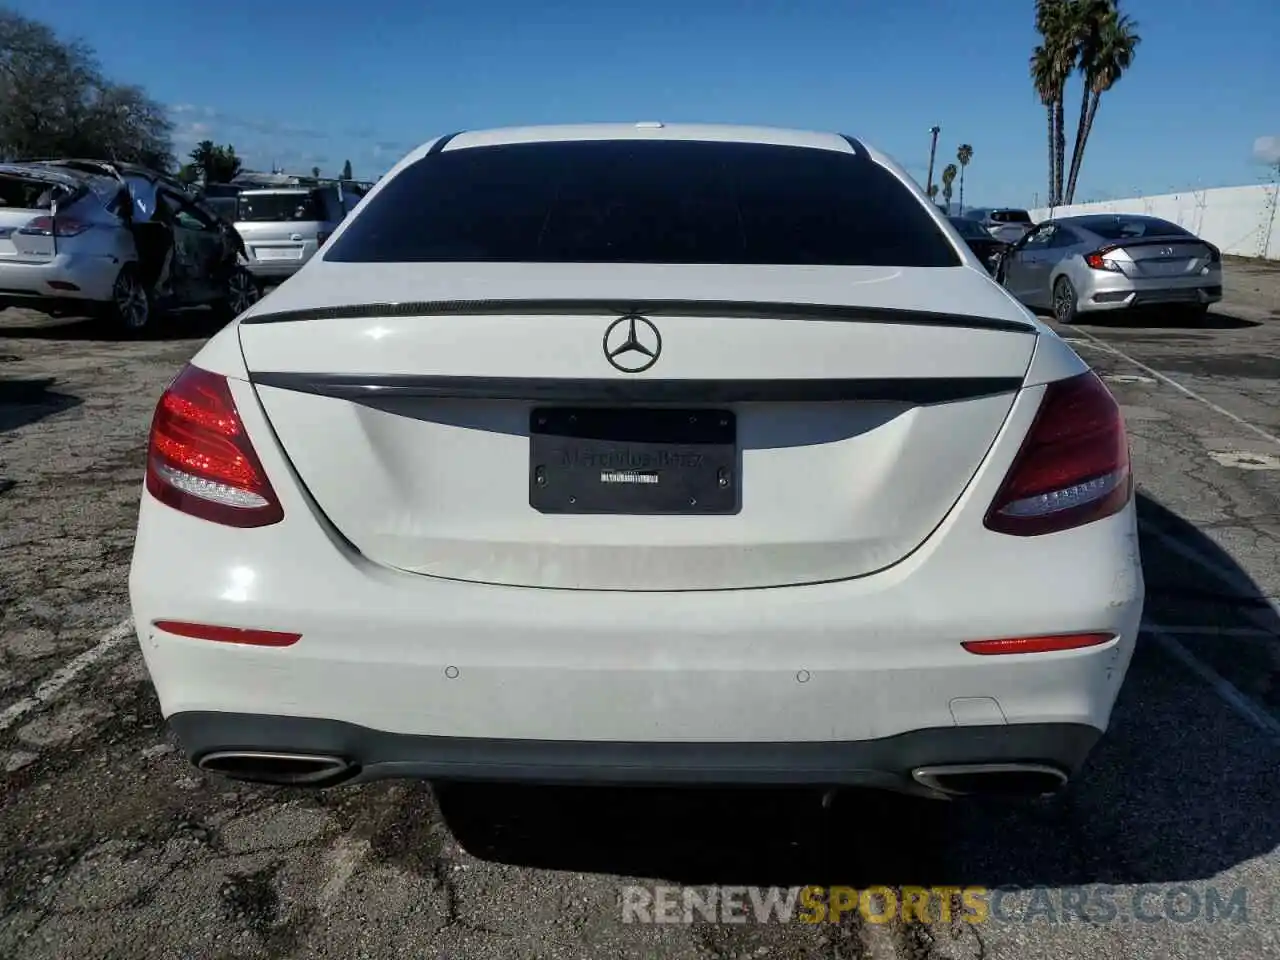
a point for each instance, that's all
(628, 476)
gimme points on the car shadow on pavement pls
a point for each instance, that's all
(1180, 789)
(193, 324)
(26, 400)
(1154, 318)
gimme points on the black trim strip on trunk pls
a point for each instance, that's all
(650, 307)
(918, 391)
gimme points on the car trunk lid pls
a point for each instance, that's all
(1160, 257)
(810, 429)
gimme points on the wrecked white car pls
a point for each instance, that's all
(118, 241)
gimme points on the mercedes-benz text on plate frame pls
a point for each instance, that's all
(640, 460)
(632, 343)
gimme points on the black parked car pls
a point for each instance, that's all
(987, 247)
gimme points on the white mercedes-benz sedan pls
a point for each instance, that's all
(640, 454)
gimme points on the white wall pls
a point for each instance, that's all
(1244, 221)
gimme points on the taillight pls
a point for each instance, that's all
(199, 458)
(1097, 260)
(1215, 255)
(53, 227)
(1073, 467)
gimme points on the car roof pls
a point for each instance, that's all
(1097, 219)
(649, 130)
(38, 170)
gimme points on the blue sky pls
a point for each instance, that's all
(314, 83)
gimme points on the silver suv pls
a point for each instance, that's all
(283, 227)
(1006, 224)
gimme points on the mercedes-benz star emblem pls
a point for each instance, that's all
(632, 344)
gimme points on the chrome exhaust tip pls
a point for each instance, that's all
(1020, 780)
(279, 769)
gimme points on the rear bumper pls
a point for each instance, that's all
(881, 763)
(90, 278)
(273, 269)
(1115, 292)
(406, 665)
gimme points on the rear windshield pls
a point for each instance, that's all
(278, 207)
(617, 201)
(1127, 228)
(1010, 216)
(22, 194)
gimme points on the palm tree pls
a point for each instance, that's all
(948, 177)
(1108, 42)
(932, 190)
(933, 149)
(1052, 63)
(964, 154)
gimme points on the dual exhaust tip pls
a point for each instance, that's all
(1009, 780)
(1012, 780)
(279, 769)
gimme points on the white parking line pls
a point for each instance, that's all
(346, 856)
(66, 673)
(1164, 378)
(1251, 711)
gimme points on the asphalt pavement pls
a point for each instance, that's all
(1165, 848)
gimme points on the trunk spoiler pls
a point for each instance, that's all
(381, 391)
(697, 308)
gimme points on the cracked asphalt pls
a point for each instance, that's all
(113, 847)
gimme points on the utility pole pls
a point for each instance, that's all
(933, 150)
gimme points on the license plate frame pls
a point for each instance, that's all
(627, 461)
(277, 254)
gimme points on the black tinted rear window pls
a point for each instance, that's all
(278, 207)
(645, 202)
(1010, 216)
(1124, 228)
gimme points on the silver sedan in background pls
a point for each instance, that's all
(1100, 262)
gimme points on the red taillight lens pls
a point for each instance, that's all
(199, 458)
(1073, 467)
(1097, 262)
(53, 226)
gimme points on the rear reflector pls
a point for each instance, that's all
(205, 631)
(1073, 467)
(199, 458)
(1067, 641)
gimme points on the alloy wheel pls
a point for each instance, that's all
(1063, 301)
(131, 302)
(242, 292)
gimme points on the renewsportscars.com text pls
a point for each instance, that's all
(879, 904)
